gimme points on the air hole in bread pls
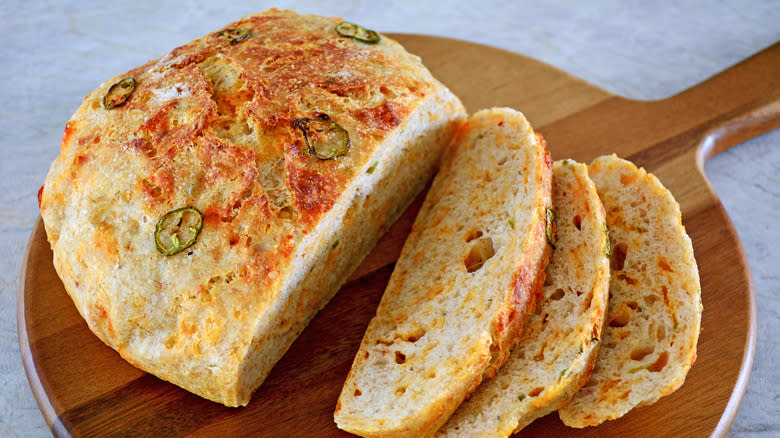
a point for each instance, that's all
(619, 317)
(632, 304)
(472, 235)
(660, 363)
(557, 295)
(400, 390)
(415, 335)
(629, 280)
(151, 189)
(233, 240)
(650, 299)
(400, 358)
(536, 391)
(577, 222)
(660, 333)
(502, 161)
(384, 342)
(641, 352)
(539, 357)
(548, 281)
(431, 374)
(481, 251)
(664, 265)
(619, 252)
(358, 393)
(170, 341)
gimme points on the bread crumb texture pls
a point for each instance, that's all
(654, 313)
(463, 286)
(212, 125)
(557, 350)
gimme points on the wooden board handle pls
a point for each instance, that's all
(730, 107)
(735, 105)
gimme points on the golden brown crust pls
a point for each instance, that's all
(528, 280)
(210, 125)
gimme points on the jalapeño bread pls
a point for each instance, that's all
(558, 348)
(465, 282)
(654, 313)
(207, 204)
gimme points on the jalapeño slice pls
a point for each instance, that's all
(360, 33)
(550, 227)
(325, 139)
(178, 230)
(118, 93)
(232, 36)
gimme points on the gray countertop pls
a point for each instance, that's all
(54, 53)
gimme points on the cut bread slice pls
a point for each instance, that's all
(654, 314)
(557, 351)
(466, 280)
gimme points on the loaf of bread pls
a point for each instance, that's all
(556, 353)
(466, 280)
(654, 313)
(207, 204)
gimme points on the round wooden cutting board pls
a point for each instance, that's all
(85, 389)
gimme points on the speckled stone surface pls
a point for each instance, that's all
(54, 53)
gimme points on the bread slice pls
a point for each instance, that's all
(654, 313)
(465, 282)
(299, 147)
(556, 353)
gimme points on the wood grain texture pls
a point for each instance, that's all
(85, 389)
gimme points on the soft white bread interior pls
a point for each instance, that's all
(654, 312)
(466, 280)
(556, 353)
